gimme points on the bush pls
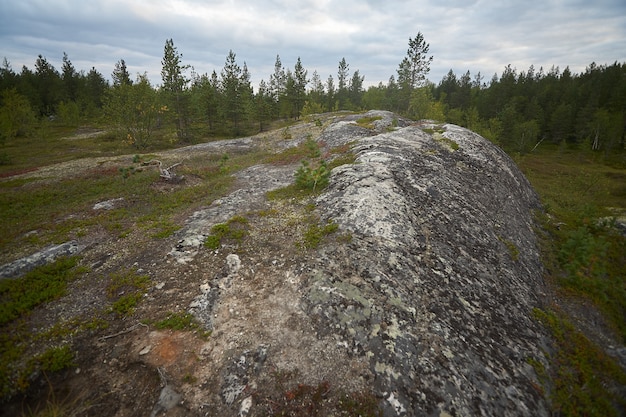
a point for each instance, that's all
(315, 233)
(583, 254)
(17, 118)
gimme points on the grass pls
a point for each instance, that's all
(315, 233)
(177, 321)
(56, 359)
(62, 210)
(585, 379)
(52, 143)
(368, 121)
(584, 257)
(574, 183)
(39, 211)
(126, 290)
(306, 149)
(310, 179)
(314, 172)
(511, 247)
(19, 297)
(182, 321)
(449, 143)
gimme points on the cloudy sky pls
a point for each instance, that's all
(372, 35)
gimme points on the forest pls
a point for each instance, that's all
(517, 109)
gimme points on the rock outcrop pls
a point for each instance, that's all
(419, 300)
(430, 293)
(437, 285)
(43, 257)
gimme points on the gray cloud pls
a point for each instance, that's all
(477, 35)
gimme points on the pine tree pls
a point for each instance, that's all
(70, 79)
(204, 93)
(300, 83)
(277, 86)
(230, 83)
(8, 77)
(342, 83)
(316, 95)
(330, 94)
(288, 100)
(413, 69)
(47, 86)
(93, 91)
(174, 87)
(120, 74)
(246, 94)
(416, 65)
(263, 105)
(356, 89)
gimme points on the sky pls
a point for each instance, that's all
(372, 35)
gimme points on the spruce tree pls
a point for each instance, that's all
(120, 74)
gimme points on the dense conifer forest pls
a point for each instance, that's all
(517, 109)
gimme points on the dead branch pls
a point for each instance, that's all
(166, 173)
(128, 330)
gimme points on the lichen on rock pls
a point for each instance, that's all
(433, 291)
(427, 289)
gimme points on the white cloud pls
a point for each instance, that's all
(479, 35)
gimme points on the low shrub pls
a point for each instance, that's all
(126, 290)
(20, 295)
(234, 230)
(583, 379)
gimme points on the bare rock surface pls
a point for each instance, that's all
(421, 299)
(437, 285)
(432, 296)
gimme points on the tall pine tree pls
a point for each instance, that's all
(175, 89)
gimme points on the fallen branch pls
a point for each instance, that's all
(130, 329)
(166, 173)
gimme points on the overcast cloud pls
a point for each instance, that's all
(372, 35)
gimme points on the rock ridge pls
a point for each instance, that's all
(439, 281)
(431, 293)
(422, 298)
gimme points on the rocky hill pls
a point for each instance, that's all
(407, 286)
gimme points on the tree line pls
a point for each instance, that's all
(193, 105)
(518, 109)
